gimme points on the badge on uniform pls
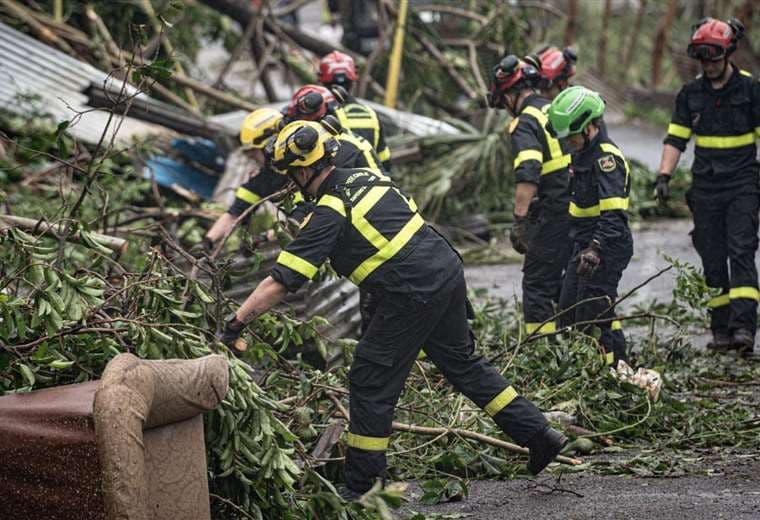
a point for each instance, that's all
(607, 163)
(513, 125)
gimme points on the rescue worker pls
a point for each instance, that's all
(338, 70)
(541, 222)
(599, 194)
(721, 108)
(372, 233)
(555, 68)
(257, 129)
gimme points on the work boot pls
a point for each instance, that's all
(720, 343)
(348, 494)
(544, 447)
(743, 341)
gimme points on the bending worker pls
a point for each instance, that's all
(602, 242)
(541, 222)
(721, 107)
(372, 233)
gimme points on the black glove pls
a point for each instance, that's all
(517, 234)
(202, 249)
(589, 259)
(662, 189)
(231, 334)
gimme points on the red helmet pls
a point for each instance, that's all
(336, 67)
(510, 73)
(713, 39)
(556, 64)
(311, 103)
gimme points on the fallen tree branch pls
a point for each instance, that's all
(467, 434)
(119, 245)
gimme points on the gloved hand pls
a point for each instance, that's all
(662, 188)
(202, 248)
(230, 336)
(518, 235)
(589, 259)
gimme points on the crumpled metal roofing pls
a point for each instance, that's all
(38, 79)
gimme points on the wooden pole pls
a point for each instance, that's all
(394, 71)
(119, 245)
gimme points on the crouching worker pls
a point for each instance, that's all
(602, 241)
(372, 233)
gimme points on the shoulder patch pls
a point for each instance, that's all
(607, 163)
(513, 125)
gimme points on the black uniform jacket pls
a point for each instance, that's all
(600, 186)
(725, 123)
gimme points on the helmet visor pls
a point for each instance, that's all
(706, 51)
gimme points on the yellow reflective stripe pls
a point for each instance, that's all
(558, 159)
(298, 197)
(361, 122)
(613, 203)
(556, 164)
(719, 141)
(616, 325)
(247, 195)
(748, 293)
(501, 401)
(364, 147)
(684, 132)
(719, 301)
(745, 73)
(389, 251)
(297, 264)
(757, 131)
(385, 154)
(334, 203)
(575, 211)
(609, 358)
(528, 155)
(368, 443)
(545, 328)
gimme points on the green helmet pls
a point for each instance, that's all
(573, 109)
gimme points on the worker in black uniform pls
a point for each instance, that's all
(555, 67)
(721, 108)
(372, 233)
(599, 195)
(337, 72)
(541, 222)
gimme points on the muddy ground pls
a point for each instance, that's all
(730, 491)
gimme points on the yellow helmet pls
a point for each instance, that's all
(304, 143)
(258, 126)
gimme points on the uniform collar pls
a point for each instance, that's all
(327, 184)
(533, 100)
(588, 152)
(732, 80)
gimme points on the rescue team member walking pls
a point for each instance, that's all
(602, 242)
(721, 108)
(541, 223)
(373, 234)
(338, 70)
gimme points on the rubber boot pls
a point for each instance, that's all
(720, 343)
(743, 341)
(544, 447)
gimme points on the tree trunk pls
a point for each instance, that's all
(634, 40)
(572, 22)
(601, 57)
(661, 40)
(745, 56)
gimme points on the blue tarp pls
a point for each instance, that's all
(168, 171)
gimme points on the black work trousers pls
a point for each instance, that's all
(548, 253)
(601, 289)
(400, 326)
(725, 237)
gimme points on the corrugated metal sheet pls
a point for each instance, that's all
(36, 78)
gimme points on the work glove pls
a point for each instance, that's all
(517, 235)
(230, 336)
(202, 249)
(662, 189)
(588, 260)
